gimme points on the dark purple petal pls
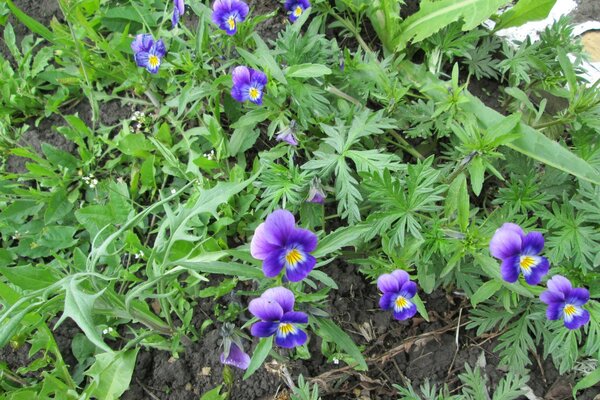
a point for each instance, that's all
(387, 300)
(179, 6)
(578, 321)
(159, 49)
(301, 270)
(401, 276)
(295, 317)
(141, 59)
(406, 313)
(267, 310)
(264, 329)
(554, 311)
(263, 244)
(533, 243)
(272, 265)
(142, 42)
(304, 239)
(239, 94)
(282, 296)
(510, 269)
(237, 357)
(578, 296)
(538, 271)
(559, 284)
(388, 283)
(240, 76)
(551, 297)
(506, 242)
(258, 79)
(280, 224)
(174, 22)
(316, 195)
(297, 338)
(408, 289)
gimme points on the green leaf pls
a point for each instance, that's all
(307, 71)
(30, 23)
(463, 203)
(342, 340)
(28, 277)
(341, 237)
(436, 15)
(214, 394)
(223, 268)
(476, 172)
(523, 12)
(485, 291)
(588, 381)
(111, 374)
(259, 356)
(79, 306)
(421, 307)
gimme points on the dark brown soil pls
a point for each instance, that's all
(587, 10)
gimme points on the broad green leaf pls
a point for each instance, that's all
(111, 374)
(223, 268)
(342, 340)
(342, 237)
(485, 291)
(435, 15)
(214, 394)
(476, 172)
(79, 306)
(523, 12)
(588, 381)
(28, 277)
(30, 23)
(307, 71)
(259, 356)
(421, 307)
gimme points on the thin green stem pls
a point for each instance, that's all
(407, 146)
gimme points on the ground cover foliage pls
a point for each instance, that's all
(353, 116)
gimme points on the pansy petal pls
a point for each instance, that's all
(578, 296)
(142, 42)
(281, 224)
(510, 269)
(554, 311)
(406, 313)
(272, 265)
(159, 48)
(284, 297)
(578, 320)
(301, 270)
(240, 76)
(264, 328)
(552, 297)
(240, 8)
(141, 59)
(304, 239)
(239, 93)
(297, 338)
(295, 317)
(538, 272)
(505, 243)
(258, 79)
(387, 300)
(401, 276)
(268, 310)
(388, 283)
(408, 289)
(261, 245)
(559, 283)
(533, 243)
(237, 357)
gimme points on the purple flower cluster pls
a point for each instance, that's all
(275, 308)
(398, 290)
(148, 53)
(282, 246)
(519, 254)
(228, 13)
(295, 8)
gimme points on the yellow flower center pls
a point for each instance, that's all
(293, 257)
(298, 11)
(231, 22)
(286, 328)
(527, 262)
(401, 302)
(570, 310)
(153, 61)
(254, 93)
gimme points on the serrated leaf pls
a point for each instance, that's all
(111, 374)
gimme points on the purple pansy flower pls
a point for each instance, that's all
(397, 290)
(295, 8)
(519, 253)
(316, 194)
(235, 356)
(288, 134)
(148, 53)
(228, 13)
(276, 310)
(248, 84)
(178, 11)
(280, 245)
(565, 301)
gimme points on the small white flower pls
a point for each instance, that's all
(173, 191)
(336, 361)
